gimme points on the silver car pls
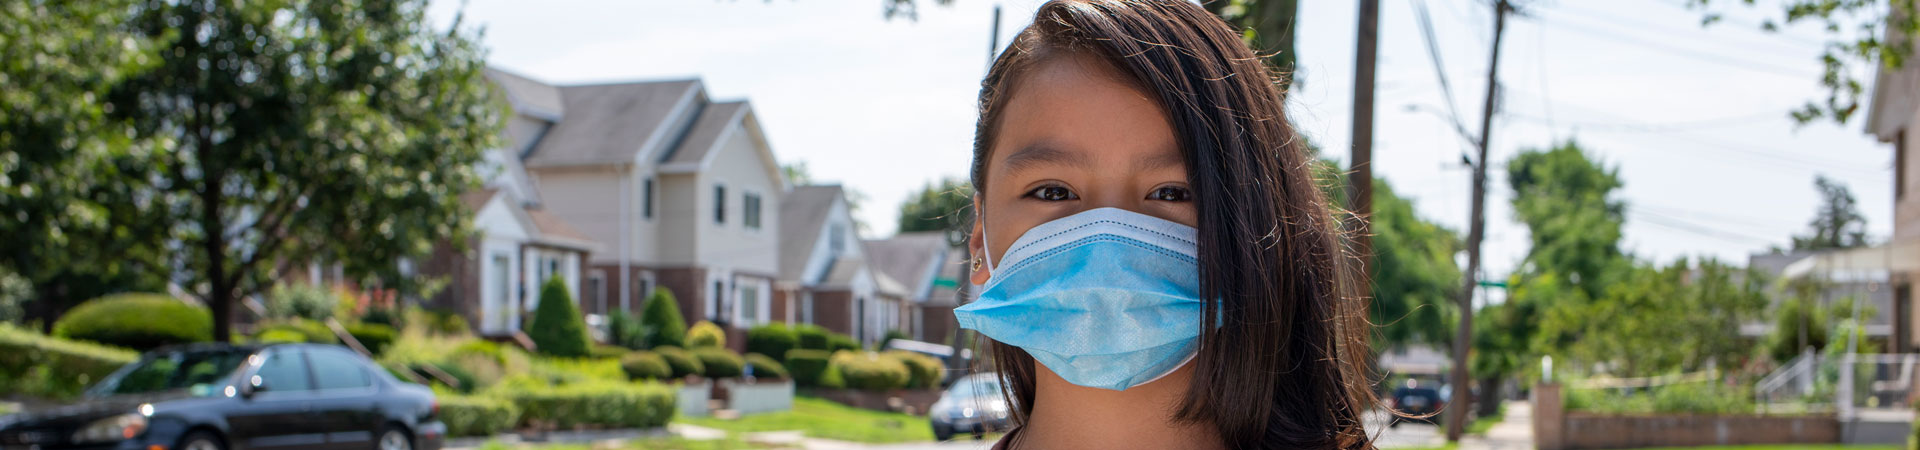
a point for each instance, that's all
(972, 405)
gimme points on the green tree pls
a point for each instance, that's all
(940, 206)
(1573, 217)
(662, 315)
(557, 328)
(1861, 35)
(1415, 278)
(341, 130)
(1268, 26)
(1657, 320)
(1838, 223)
(74, 206)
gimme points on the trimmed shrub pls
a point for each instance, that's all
(837, 342)
(772, 340)
(662, 314)
(807, 366)
(375, 337)
(300, 300)
(764, 366)
(279, 336)
(557, 328)
(607, 351)
(682, 362)
(706, 334)
(612, 404)
(869, 371)
(476, 415)
(889, 336)
(438, 321)
(811, 336)
(39, 365)
(310, 331)
(137, 321)
(719, 362)
(645, 365)
(626, 330)
(923, 372)
(467, 383)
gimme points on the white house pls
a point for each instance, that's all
(825, 277)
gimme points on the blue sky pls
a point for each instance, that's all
(1695, 119)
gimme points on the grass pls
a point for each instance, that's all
(1480, 425)
(732, 442)
(820, 418)
(1446, 446)
(1786, 447)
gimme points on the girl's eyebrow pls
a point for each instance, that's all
(1044, 153)
(1157, 160)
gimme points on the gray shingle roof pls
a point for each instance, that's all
(529, 96)
(906, 257)
(802, 212)
(607, 123)
(714, 120)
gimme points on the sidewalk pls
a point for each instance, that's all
(1514, 432)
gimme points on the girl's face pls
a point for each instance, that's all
(1076, 136)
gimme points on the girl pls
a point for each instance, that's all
(1158, 267)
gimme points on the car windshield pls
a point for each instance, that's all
(201, 373)
(973, 386)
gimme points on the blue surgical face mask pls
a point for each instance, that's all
(1106, 298)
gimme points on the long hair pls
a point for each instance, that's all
(1286, 367)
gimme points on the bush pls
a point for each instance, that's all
(438, 321)
(275, 336)
(304, 301)
(611, 404)
(764, 366)
(772, 340)
(890, 335)
(923, 372)
(807, 366)
(374, 337)
(869, 371)
(706, 334)
(558, 329)
(607, 351)
(837, 342)
(645, 365)
(476, 416)
(137, 321)
(719, 362)
(475, 371)
(662, 315)
(682, 363)
(626, 330)
(309, 331)
(810, 336)
(39, 365)
(463, 381)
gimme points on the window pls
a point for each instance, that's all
(837, 238)
(719, 203)
(719, 296)
(752, 214)
(284, 371)
(1900, 166)
(338, 370)
(750, 304)
(646, 198)
(596, 292)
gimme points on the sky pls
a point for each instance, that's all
(1694, 119)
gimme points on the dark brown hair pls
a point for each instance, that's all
(1286, 367)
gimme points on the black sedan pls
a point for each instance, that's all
(224, 397)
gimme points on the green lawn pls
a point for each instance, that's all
(1786, 447)
(825, 419)
(667, 443)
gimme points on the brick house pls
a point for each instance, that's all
(930, 269)
(825, 277)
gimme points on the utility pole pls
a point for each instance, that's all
(1360, 164)
(1462, 402)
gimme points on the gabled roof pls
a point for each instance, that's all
(802, 212)
(908, 258)
(610, 123)
(556, 232)
(704, 138)
(528, 96)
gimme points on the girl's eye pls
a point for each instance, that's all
(1052, 194)
(1171, 194)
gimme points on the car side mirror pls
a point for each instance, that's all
(254, 385)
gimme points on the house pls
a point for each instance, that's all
(930, 267)
(825, 278)
(1890, 115)
(676, 185)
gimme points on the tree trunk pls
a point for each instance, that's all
(1489, 397)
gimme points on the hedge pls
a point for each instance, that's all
(839, 342)
(765, 366)
(682, 363)
(662, 315)
(772, 340)
(476, 415)
(375, 337)
(626, 330)
(810, 336)
(719, 362)
(279, 336)
(557, 327)
(607, 351)
(39, 365)
(137, 321)
(645, 365)
(310, 331)
(807, 366)
(613, 404)
(706, 334)
(869, 371)
(923, 372)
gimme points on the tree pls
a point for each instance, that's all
(1862, 35)
(1267, 26)
(662, 314)
(796, 173)
(72, 199)
(1682, 317)
(339, 130)
(1838, 223)
(1414, 274)
(557, 328)
(1573, 218)
(941, 206)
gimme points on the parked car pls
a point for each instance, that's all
(1415, 400)
(245, 397)
(973, 404)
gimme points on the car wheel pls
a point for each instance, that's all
(393, 438)
(201, 440)
(941, 433)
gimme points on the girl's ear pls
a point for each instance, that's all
(976, 244)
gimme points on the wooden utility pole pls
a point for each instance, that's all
(1360, 164)
(1462, 402)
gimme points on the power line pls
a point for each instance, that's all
(1749, 65)
(1654, 127)
(1439, 67)
(1682, 225)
